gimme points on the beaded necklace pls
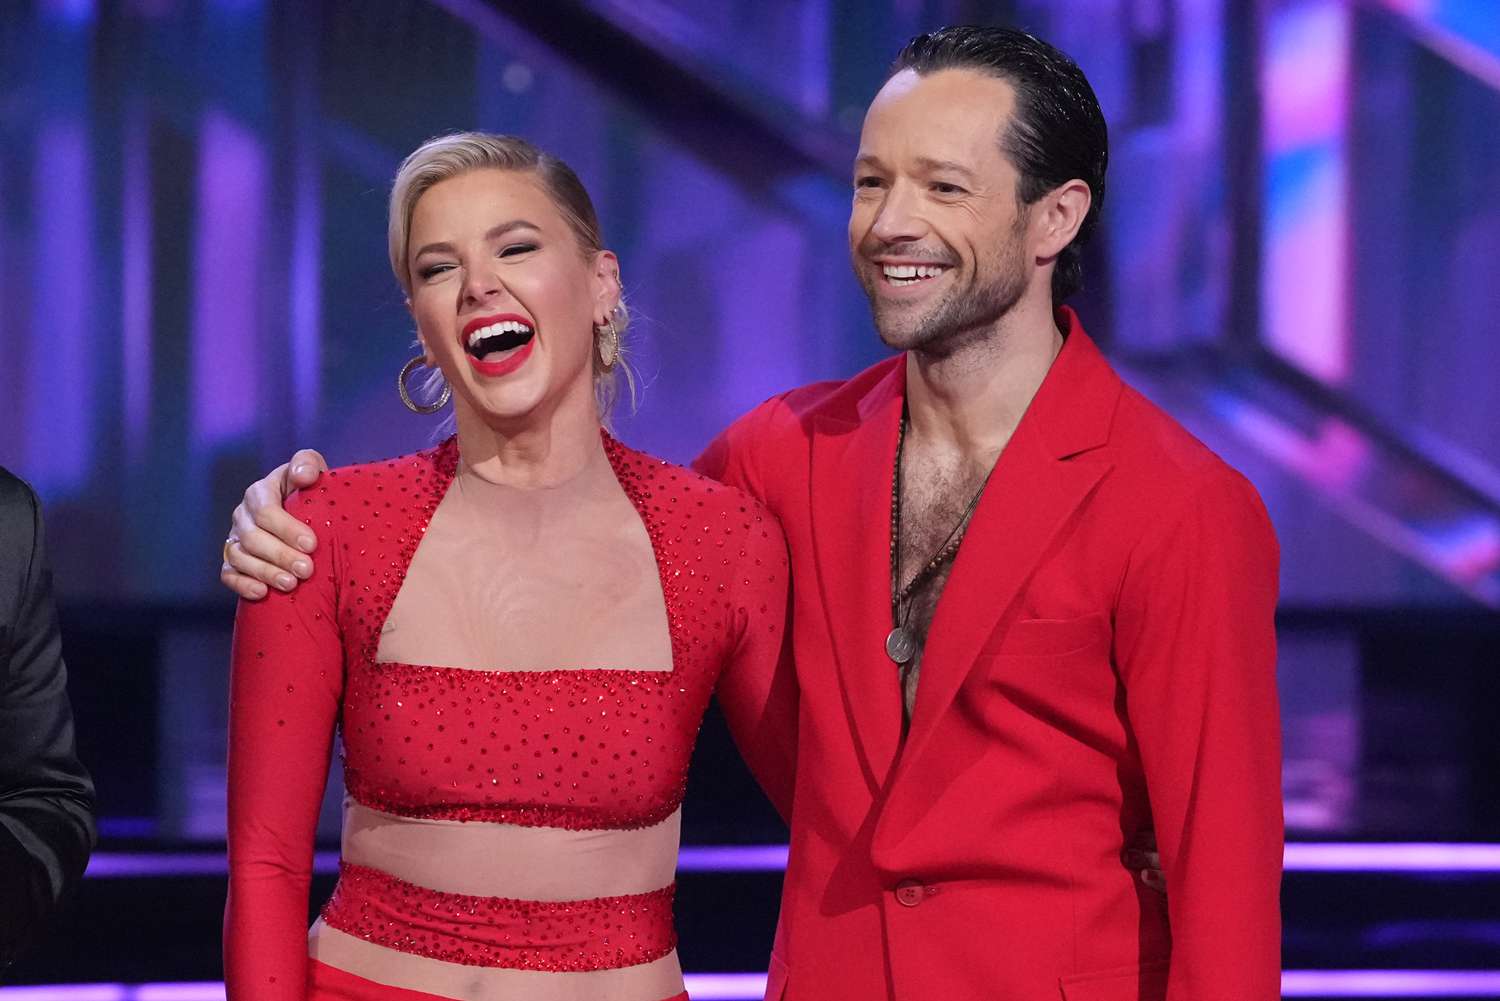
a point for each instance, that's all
(901, 641)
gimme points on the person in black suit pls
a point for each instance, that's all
(46, 796)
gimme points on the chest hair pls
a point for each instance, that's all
(935, 495)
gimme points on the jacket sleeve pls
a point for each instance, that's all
(286, 683)
(46, 796)
(733, 457)
(758, 689)
(1196, 648)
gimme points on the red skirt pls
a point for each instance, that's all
(329, 983)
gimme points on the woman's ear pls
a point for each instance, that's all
(428, 358)
(607, 287)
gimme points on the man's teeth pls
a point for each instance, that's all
(905, 274)
(496, 329)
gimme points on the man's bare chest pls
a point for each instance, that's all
(933, 505)
(935, 502)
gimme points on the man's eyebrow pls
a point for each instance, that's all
(927, 163)
(494, 233)
(945, 166)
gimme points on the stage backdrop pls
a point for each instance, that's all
(1298, 255)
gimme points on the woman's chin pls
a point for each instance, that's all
(518, 401)
(506, 409)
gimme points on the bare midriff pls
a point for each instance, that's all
(508, 860)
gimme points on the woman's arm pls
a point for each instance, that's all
(285, 688)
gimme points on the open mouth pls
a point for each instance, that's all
(498, 345)
(902, 275)
(493, 340)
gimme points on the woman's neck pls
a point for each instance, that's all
(546, 452)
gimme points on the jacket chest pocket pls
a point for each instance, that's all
(1050, 638)
(1054, 674)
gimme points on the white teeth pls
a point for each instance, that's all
(495, 329)
(910, 272)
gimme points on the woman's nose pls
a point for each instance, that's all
(481, 285)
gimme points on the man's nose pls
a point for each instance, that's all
(899, 220)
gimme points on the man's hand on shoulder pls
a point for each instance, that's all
(266, 546)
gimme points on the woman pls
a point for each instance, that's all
(518, 632)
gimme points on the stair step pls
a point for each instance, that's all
(160, 912)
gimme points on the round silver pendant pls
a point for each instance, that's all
(900, 645)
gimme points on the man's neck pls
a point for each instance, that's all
(971, 401)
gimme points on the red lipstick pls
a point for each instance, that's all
(505, 367)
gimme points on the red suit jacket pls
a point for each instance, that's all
(1102, 661)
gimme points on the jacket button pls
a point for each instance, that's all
(909, 893)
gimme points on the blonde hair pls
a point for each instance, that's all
(459, 153)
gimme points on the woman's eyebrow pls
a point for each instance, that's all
(494, 233)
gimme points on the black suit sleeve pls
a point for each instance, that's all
(46, 796)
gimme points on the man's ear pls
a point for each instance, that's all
(1058, 216)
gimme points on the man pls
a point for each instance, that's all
(46, 797)
(1102, 657)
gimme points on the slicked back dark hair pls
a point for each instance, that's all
(1057, 131)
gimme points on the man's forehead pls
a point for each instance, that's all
(959, 86)
(953, 115)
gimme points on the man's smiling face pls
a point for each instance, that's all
(937, 234)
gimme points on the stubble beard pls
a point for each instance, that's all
(964, 316)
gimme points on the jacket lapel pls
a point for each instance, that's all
(852, 465)
(1041, 478)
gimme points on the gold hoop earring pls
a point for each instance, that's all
(413, 405)
(609, 344)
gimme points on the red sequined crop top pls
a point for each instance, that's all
(587, 749)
